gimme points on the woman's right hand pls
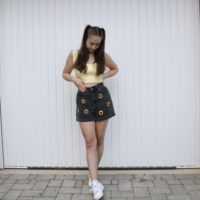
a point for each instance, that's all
(79, 84)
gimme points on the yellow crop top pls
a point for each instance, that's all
(90, 75)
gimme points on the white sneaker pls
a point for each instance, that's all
(97, 189)
(90, 184)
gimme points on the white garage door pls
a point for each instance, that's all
(156, 92)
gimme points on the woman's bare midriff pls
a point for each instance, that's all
(90, 84)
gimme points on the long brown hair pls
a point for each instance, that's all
(83, 53)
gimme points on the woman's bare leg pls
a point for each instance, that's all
(88, 131)
(100, 129)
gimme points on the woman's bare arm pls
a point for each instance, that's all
(113, 69)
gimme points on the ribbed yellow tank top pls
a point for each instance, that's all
(90, 75)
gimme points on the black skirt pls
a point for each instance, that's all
(94, 104)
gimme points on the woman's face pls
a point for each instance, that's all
(93, 42)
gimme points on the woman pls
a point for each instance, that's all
(93, 101)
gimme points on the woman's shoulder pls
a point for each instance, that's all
(74, 53)
(106, 55)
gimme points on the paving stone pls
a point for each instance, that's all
(10, 181)
(168, 177)
(63, 177)
(160, 183)
(195, 195)
(32, 181)
(68, 183)
(187, 181)
(70, 190)
(2, 180)
(5, 176)
(110, 187)
(121, 186)
(114, 182)
(64, 197)
(55, 183)
(82, 196)
(123, 177)
(107, 195)
(121, 194)
(107, 182)
(106, 177)
(148, 177)
(125, 185)
(158, 176)
(159, 190)
(178, 189)
(31, 176)
(19, 186)
(19, 176)
(192, 187)
(40, 185)
(51, 191)
(2, 194)
(5, 187)
(79, 183)
(196, 176)
(158, 197)
(80, 177)
(85, 189)
(12, 194)
(143, 184)
(138, 180)
(44, 198)
(183, 176)
(139, 176)
(178, 197)
(45, 176)
(196, 181)
(23, 181)
(31, 193)
(173, 182)
(141, 192)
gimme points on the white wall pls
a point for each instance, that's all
(156, 93)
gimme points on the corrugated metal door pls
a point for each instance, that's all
(156, 93)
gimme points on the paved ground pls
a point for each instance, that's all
(29, 186)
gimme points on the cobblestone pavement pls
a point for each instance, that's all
(120, 186)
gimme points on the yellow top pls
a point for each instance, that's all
(90, 75)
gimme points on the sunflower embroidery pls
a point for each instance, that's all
(86, 111)
(100, 95)
(100, 112)
(83, 101)
(108, 103)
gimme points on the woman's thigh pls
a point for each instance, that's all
(88, 131)
(100, 128)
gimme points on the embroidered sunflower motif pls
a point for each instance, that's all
(108, 103)
(86, 111)
(83, 101)
(100, 95)
(100, 112)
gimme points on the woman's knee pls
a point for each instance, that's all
(91, 143)
(100, 140)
